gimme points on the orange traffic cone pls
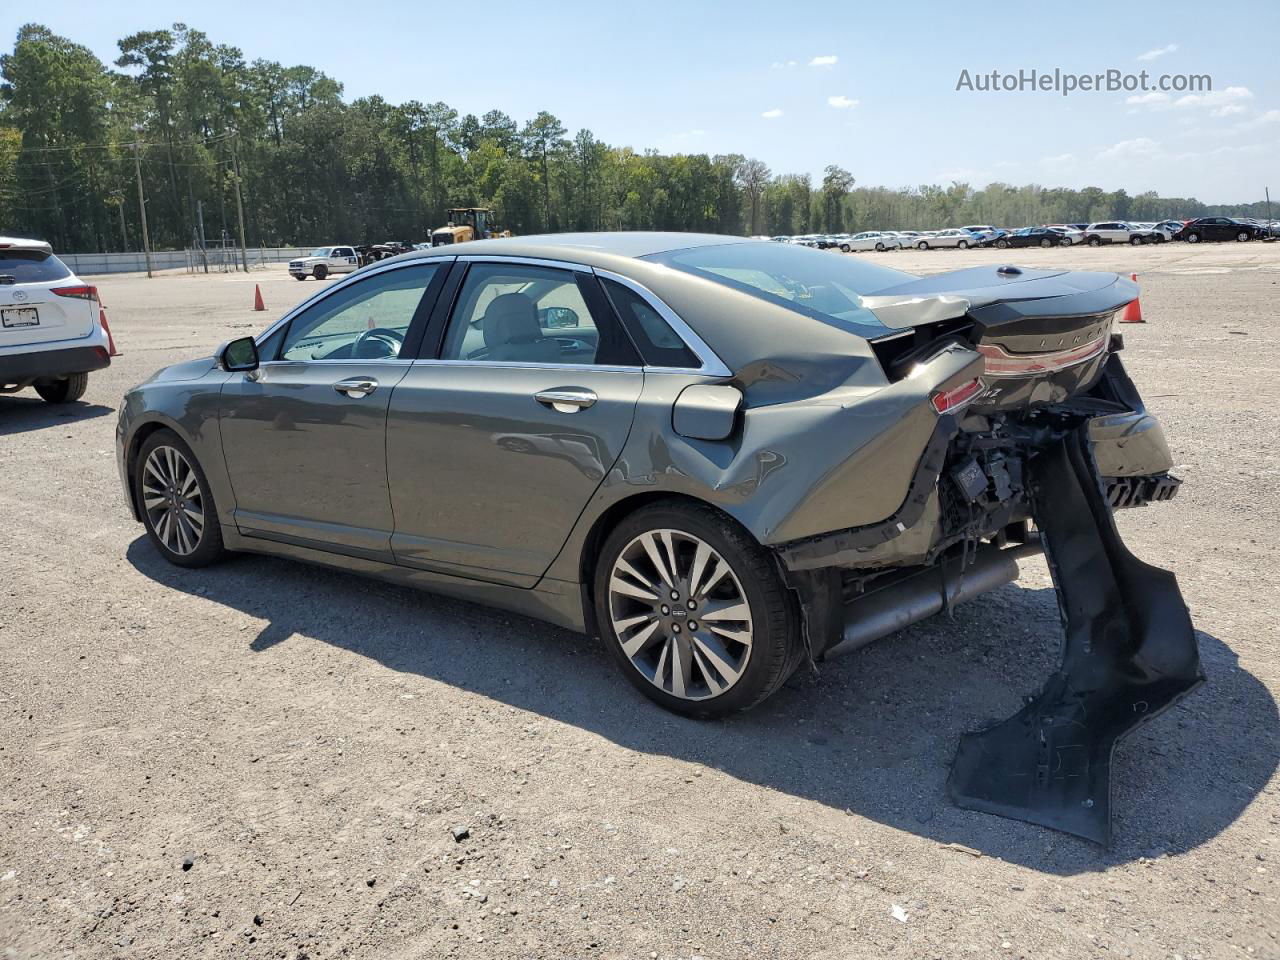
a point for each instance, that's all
(257, 298)
(111, 341)
(1133, 309)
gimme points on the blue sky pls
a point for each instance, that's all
(799, 85)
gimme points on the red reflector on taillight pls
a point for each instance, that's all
(80, 293)
(945, 401)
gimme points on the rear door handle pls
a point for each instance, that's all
(356, 387)
(566, 399)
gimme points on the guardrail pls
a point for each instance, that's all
(88, 264)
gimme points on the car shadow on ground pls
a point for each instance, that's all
(22, 414)
(874, 735)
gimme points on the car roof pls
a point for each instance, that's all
(593, 249)
(21, 243)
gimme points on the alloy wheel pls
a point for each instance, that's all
(172, 500)
(680, 614)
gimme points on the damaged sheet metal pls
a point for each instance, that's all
(1130, 653)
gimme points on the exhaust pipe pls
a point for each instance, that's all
(887, 609)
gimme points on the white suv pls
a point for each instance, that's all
(53, 329)
(324, 261)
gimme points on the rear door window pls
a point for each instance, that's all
(30, 266)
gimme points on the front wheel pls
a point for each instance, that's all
(320, 272)
(1046, 242)
(1064, 242)
(922, 245)
(1002, 244)
(845, 248)
(176, 503)
(1243, 237)
(66, 389)
(1095, 242)
(1193, 238)
(1134, 241)
(695, 611)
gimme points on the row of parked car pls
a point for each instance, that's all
(1198, 230)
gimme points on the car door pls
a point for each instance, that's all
(304, 435)
(343, 260)
(497, 439)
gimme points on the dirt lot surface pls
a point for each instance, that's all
(267, 760)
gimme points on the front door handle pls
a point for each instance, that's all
(566, 399)
(356, 387)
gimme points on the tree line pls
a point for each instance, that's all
(198, 121)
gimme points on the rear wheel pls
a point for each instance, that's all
(695, 611)
(1134, 241)
(176, 503)
(963, 244)
(321, 271)
(1046, 242)
(66, 389)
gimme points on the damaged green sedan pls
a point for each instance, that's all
(725, 457)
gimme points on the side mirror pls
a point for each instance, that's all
(559, 317)
(239, 356)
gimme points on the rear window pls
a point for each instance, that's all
(31, 266)
(813, 282)
(660, 346)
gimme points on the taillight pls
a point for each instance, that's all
(1001, 363)
(80, 293)
(946, 401)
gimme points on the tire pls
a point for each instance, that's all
(1243, 237)
(1002, 244)
(845, 248)
(299, 276)
(1064, 242)
(922, 245)
(173, 544)
(320, 272)
(1193, 238)
(772, 622)
(1095, 241)
(963, 245)
(1135, 241)
(66, 389)
(1046, 242)
(879, 248)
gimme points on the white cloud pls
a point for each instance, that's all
(1261, 120)
(824, 61)
(1158, 52)
(1152, 99)
(771, 114)
(1215, 98)
(1136, 148)
(842, 102)
(1229, 110)
(782, 65)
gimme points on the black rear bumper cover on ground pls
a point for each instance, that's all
(1130, 653)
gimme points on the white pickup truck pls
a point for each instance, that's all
(324, 261)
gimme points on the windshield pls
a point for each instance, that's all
(320, 252)
(824, 285)
(31, 266)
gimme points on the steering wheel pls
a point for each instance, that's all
(392, 340)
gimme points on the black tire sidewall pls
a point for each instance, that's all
(67, 389)
(210, 548)
(774, 620)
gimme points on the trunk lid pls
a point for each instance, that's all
(1044, 334)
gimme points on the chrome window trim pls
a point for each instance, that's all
(568, 367)
(525, 261)
(712, 365)
(357, 274)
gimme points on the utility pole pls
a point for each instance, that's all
(204, 255)
(235, 158)
(142, 206)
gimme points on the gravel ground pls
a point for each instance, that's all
(268, 760)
